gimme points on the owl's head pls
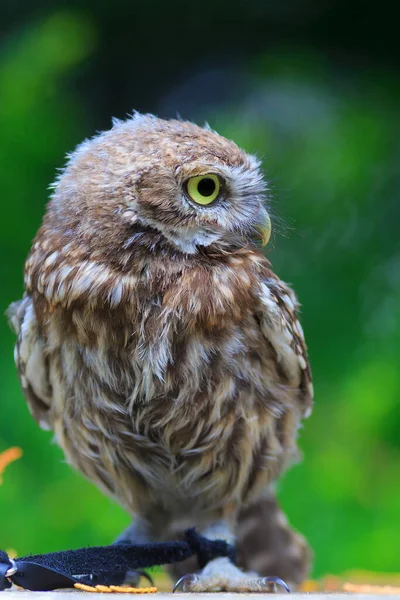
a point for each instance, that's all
(153, 182)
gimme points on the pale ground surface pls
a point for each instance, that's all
(66, 595)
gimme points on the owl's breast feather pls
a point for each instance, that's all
(191, 379)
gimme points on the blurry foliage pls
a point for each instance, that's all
(329, 139)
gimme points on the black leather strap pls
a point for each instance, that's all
(207, 550)
(105, 564)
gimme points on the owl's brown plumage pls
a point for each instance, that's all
(154, 338)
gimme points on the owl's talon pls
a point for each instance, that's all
(271, 583)
(194, 583)
(189, 578)
(146, 576)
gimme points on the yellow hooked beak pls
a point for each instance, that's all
(265, 231)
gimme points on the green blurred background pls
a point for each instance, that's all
(313, 89)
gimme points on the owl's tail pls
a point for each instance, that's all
(268, 545)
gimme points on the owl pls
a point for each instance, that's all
(158, 345)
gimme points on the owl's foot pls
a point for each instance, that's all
(132, 578)
(220, 575)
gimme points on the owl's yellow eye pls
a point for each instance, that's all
(203, 189)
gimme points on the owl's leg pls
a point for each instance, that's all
(137, 533)
(221, 575)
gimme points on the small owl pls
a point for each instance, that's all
(159, 346)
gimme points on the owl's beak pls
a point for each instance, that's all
(264, 229)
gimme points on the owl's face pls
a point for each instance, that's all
(182, 183)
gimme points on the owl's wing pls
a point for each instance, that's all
(279, 324)
(30, 359)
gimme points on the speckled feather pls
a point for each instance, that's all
(154, 338)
